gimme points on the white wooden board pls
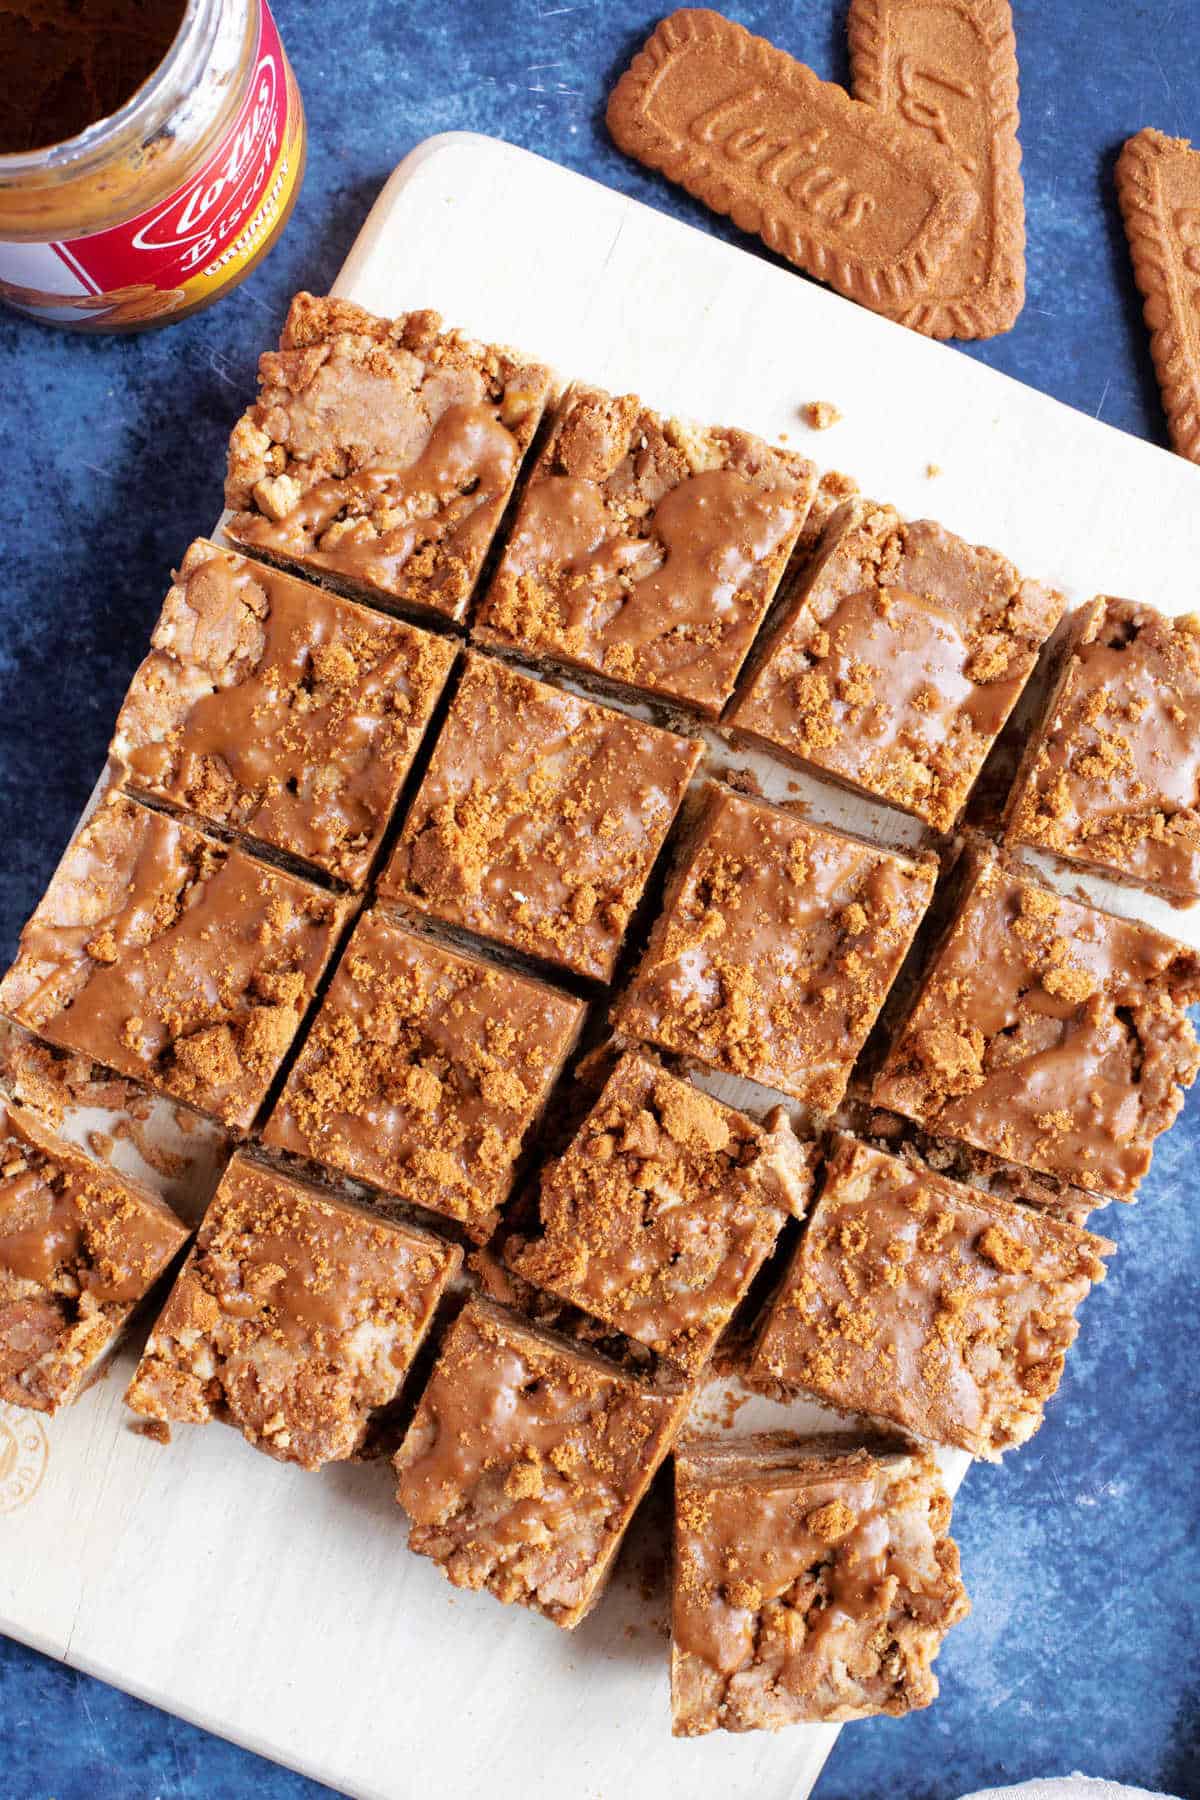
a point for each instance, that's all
(282, 1609)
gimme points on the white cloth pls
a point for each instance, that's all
(1068, 1787)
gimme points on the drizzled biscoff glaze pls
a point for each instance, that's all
(172, 958)
(79, 1247)
(660, 1214)
(539, 818)
(424, 1071)
(279, 709)
(525, 1462)
(777, 944)
(295, 1318)
(382, 451)
(1113, 780)
(812, 1582)
(1049, 1033)
(647, 550)
(899, 661)
(928, 1304)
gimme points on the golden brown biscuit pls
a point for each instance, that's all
(1158, 188)
(949, 67)
(860, 201)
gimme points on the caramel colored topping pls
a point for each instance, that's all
(539, 818)
(1113, 778)
(158, 951)
(660, 1214)
(382, 451)
(775, 949)
(79, 1247)
(1048, 1033)
(525, 1462)
(295, 1318)
(279, 709)
(424, 1071)
(933, 1306)
(899, 660)
(647, 550)
(813, 1581)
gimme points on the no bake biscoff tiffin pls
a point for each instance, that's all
(558, 1067)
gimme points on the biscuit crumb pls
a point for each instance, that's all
(1004, 1252)
(154, 1429)
(952, 1056)
(819, 415)
(1067, 982)
(746, 1594)
(831, 1522)
(525, 1480)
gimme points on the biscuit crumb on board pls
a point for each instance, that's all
(819, 415)
(933, 470)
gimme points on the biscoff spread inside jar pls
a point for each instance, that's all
(68, 63)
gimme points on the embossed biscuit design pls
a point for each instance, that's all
(1158, 187)
(24, 1453)
(949, 68)
(856, 198)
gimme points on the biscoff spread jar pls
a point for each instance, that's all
(157, 207)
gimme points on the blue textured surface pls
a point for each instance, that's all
(1081, 1554)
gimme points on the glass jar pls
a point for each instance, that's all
(164, 206)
